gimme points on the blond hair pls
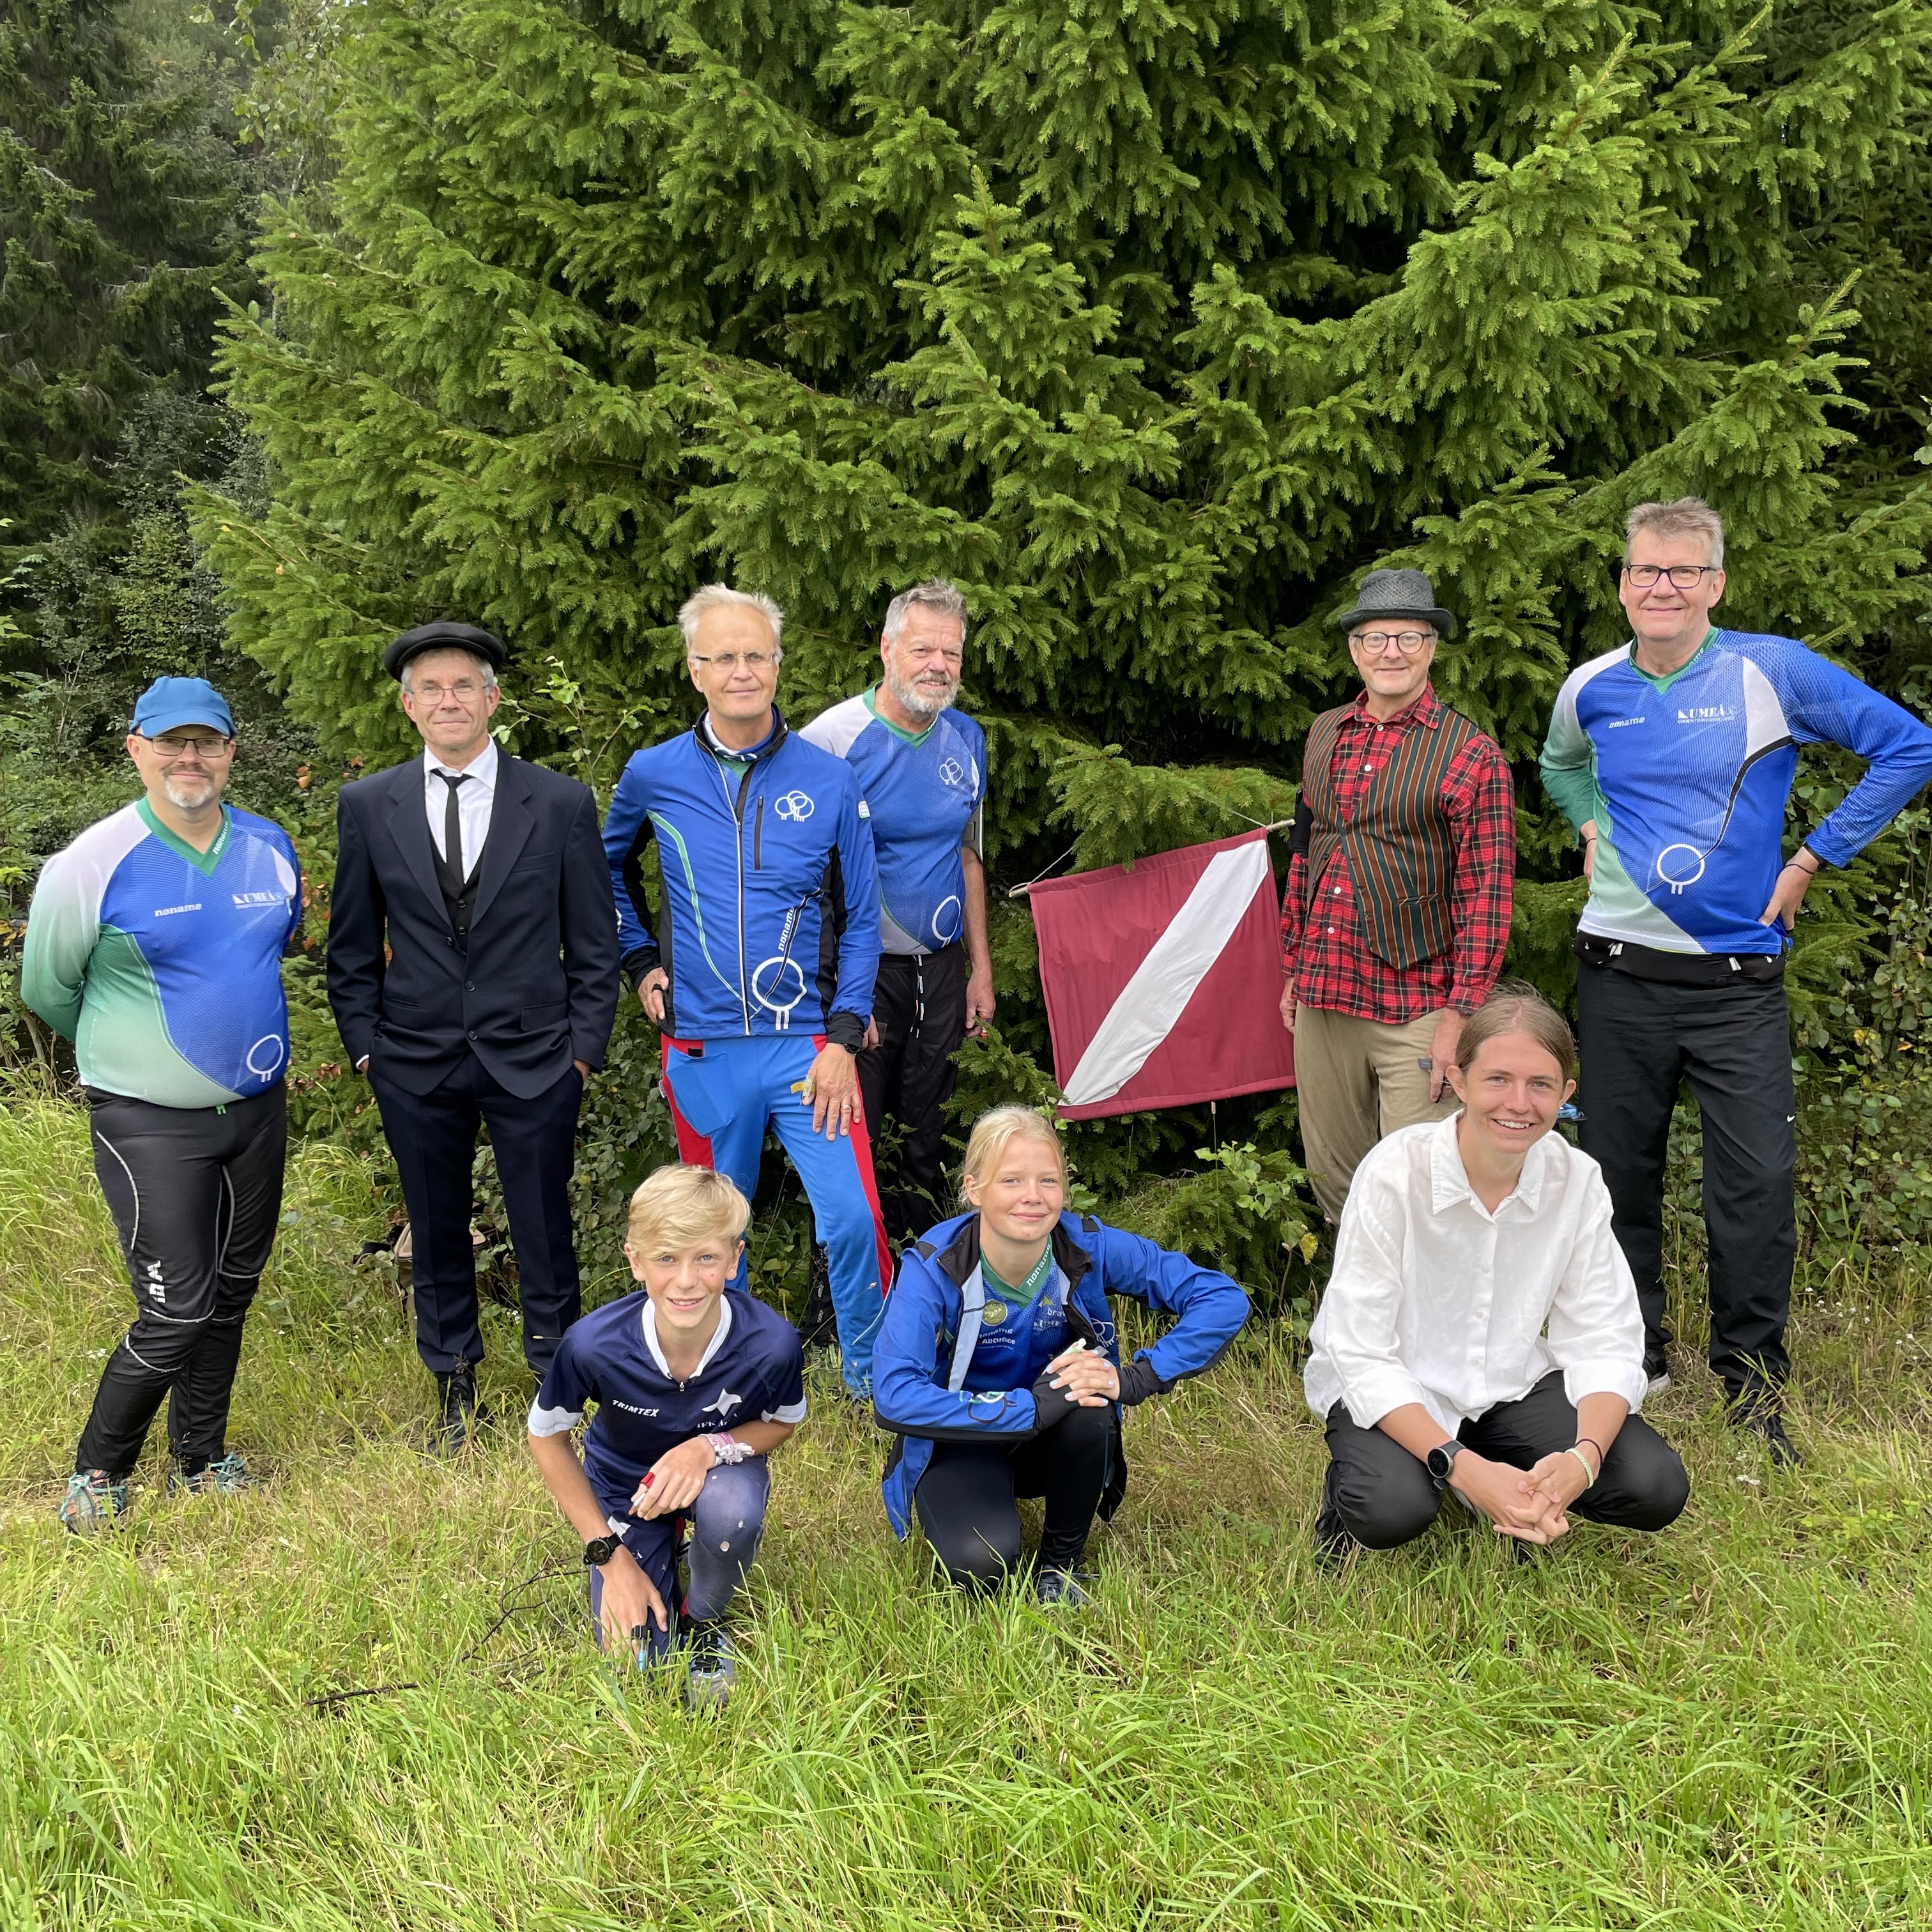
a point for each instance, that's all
(1515, 1006)
(995, 1131)
(678, 1207)
(1683, 517)
(721, 596)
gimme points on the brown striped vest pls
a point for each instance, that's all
(1397, 842)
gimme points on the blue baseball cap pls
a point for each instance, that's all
(171, 702)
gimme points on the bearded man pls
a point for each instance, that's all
(922, 771)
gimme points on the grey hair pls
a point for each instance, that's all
(1687, 516)
(482, 663)
(934, 594)
(721, 596)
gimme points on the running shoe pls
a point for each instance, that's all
(227, 1476)
(1061, 1588)
(712, 1672)
(92, 1503)
(1656, 1372)
(1768, 1426)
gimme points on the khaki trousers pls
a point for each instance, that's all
(1357, 1080)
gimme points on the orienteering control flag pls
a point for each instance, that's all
(1163, 982)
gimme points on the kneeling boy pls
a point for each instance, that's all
(694, 1387)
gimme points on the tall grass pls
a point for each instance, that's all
(1727, 1726)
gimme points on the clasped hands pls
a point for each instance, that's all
(1089, 1380)
(1530, 1505)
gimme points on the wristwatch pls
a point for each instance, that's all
(1440, 1460)
(599, 1550)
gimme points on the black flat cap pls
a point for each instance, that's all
(1398, 593)
(443, 637)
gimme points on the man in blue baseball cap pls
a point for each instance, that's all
(155, 943)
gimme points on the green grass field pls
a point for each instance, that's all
(1729, 1726)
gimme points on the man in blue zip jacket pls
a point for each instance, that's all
(760, 974)
(1673, 757)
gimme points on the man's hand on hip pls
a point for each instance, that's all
(1442, 1046)
(831, 1091)
(1788, 894)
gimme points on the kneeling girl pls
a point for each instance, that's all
(998, 1367)
(695, 1386)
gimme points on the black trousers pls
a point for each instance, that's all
(1382, 1495)
(919, 1004)
(433, 1136)
(196, 1193)
(1638, 1040)
(967, 1498)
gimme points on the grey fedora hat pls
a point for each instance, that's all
(1398, 593)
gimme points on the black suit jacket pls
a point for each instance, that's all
(538, 987)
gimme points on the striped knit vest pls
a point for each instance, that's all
(1397, 843)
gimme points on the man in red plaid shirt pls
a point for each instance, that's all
(1397, 910)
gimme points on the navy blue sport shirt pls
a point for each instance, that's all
(753, 1371)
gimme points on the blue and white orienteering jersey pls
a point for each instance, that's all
(753, 1371)
(163, 965)
(926, 795)
(1686, 777)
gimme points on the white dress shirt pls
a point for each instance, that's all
(1436, 1301)
(475, 801)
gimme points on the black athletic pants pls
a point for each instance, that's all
(196, 1193)
(919, 1004)
(1382, 1495)
(967, 1498)
(433, 1136)
(1638, 1040)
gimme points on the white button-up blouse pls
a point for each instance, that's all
(1435, 1299)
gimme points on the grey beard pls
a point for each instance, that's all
(206, 794)
(924, 703)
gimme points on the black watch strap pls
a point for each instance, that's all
(1440, 1460)
(599, 1550)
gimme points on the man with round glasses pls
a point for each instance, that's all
(758, 967)
(155, 943)
(1673, 757)
(1399, 882)
(921, 768)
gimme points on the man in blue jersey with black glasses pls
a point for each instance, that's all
(155, 944)
(921, 767)
(760, 971)
(1673, 757)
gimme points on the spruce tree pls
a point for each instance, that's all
(122, 216)
(1152, 327)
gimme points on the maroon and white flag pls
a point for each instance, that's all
(1163, 982)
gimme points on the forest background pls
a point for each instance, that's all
(1154, 323)
(1154, 326)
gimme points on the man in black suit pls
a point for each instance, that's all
(473, 967)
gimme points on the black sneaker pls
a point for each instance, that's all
(711, 1672)
(1657, 1371)
(1334, 1544)
(460, 1415)
(1061, 1588)
(1769, 1425)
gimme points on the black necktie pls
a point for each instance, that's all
(452, 828)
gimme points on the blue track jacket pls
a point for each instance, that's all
(913, 1357)
(771, 890)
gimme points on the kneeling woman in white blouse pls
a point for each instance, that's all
(1481, 1332)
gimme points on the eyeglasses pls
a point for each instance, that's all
(169, 749)
(1682, 576)
(1375, 643)
(727, 662)
(465, 691)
